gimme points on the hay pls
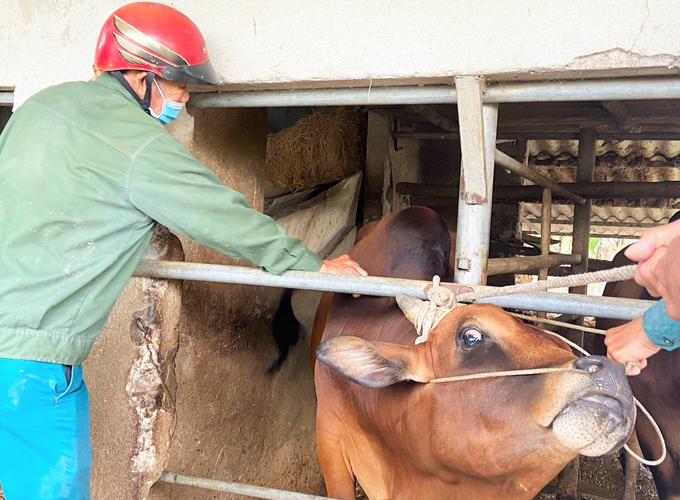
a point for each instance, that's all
(320, 148)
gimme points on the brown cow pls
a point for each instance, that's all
(658, 389)
(379, 421)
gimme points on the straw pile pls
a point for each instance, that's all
(320, 148)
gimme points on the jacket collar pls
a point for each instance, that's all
(107, 80)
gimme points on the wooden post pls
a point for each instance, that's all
(377, 142)
(567, 482)
(631, 467)
(568, 479)
(478, 143)
(584, 173)
(546, 219)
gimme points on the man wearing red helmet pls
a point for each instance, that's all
(87, 171)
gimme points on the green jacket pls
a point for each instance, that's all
(85, 175)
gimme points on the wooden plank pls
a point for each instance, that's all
(661, 190)
(471, 126)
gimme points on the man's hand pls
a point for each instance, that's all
(629, 342)
(658, 252)
(343, 265)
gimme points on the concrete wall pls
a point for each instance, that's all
(216, 414)
(268, 43)
(130, 376)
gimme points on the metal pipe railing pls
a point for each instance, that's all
(601, 307)
(525, 171)
(236, 488)
(621, 89)
(517, 264)
(546, 91)
(432, 94)
(6, 98)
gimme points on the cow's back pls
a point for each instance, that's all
(412, 244)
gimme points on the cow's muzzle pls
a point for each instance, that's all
(601, 414)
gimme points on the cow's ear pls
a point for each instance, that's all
(369, 364)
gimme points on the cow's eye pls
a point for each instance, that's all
(470, 336)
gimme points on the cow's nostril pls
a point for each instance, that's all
(588, 364)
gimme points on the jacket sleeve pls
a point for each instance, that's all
(660, 328)
(169, 185)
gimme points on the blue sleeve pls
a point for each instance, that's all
(660, 328)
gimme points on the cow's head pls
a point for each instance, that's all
(492, 427)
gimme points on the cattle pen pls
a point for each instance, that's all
(477, 131)
(545, 135)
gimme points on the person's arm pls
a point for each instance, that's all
(172, 187)
(660, 328)
(658, 252)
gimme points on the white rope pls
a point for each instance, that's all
(608, 275)
(509, 373)
(439, 300)
(536, 371)
(640, 459)
(442, 300)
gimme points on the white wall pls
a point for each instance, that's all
(297, 43)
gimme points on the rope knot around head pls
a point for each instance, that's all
(441, 296)
(425, 314)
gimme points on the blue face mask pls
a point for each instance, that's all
(170, 109)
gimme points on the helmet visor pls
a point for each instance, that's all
(198, 74)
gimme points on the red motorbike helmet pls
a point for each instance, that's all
(152, 37)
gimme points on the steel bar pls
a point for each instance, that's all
(6, 98)
(602, 307)
(236, 488)
(474, 212)
(430, 94)
(662, 190)
(514, 166)
(517, 264)
(546, 91)
(623, 89)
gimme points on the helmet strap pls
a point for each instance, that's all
(145, 103)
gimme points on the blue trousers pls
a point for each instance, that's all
(44, 431)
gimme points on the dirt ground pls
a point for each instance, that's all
(602, 478)
(599, 479)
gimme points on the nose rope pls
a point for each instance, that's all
(442, 300)
(629, 364)
(509, 373)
